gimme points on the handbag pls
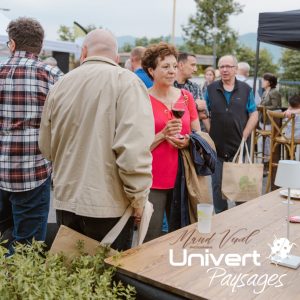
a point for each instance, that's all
(242, 181)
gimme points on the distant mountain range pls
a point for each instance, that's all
(128, 39)
(248, 39)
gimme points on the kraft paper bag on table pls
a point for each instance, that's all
(242, 181)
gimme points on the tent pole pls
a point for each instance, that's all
(256, 65)
(254, 92)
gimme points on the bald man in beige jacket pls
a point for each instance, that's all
(97, 127)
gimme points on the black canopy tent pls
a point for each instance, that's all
(278, 28)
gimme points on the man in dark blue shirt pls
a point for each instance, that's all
(136, 64)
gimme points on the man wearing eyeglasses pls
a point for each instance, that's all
(24, 172)
(233, 116)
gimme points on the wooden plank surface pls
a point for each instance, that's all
(240, 230)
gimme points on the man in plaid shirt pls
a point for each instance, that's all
(187, 66)
(24, 172)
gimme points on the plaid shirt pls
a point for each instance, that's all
(192, 87)
(24, 85)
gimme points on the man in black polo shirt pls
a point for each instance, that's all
(233, 116)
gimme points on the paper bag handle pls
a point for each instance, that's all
(238, 157)
(248, 155)
(116, 230)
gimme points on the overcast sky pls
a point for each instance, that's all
(151, 18)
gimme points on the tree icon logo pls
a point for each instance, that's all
(281, 248)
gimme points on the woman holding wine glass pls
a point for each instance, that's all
(175, 116)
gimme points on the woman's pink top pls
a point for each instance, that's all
(165, 156)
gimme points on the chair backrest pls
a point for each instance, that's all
(279, 123)
(263, 113)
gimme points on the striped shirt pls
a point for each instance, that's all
(192, 87)
(24, 85)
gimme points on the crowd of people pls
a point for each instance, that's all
(110, 137)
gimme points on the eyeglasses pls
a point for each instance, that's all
(8, 44)
(226, 67)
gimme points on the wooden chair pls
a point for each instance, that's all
(260, 133)
(278, 138)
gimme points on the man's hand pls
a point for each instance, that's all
(251, 123)
(137, 214)
(201, 107)
(201, 104)
(287, 113)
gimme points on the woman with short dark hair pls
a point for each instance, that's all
(271, 98)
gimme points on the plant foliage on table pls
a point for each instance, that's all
(33, 274)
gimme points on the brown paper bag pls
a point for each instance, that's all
(242, 181)
(197, 186)
(66, 242)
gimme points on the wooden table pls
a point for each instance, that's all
(252, 226)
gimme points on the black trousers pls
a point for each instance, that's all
(97, 228)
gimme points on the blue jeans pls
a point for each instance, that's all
(24, 215)
(165, 225)
(220, 204)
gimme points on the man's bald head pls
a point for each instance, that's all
(136, 57)
(100, 42)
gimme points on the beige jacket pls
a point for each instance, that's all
(97, 127)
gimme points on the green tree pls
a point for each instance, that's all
(144, 41)
(66, 33)
(199, 33)
(160, 39)
(91, 27)
(246, 54)
(291, 72)
(290, 62)
(265, 60)
(70, 33)
(265, 63)
(126, 48)
(183, 48)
